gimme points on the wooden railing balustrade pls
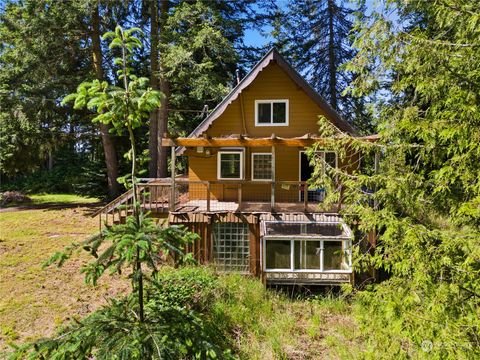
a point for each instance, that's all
(156, 195)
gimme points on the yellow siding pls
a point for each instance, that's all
(271, 83)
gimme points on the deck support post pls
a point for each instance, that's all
(376, 170)
(305, 197)
(172, 170)
(272, 192)
(239, 197)
(208, 196)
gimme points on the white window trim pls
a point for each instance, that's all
(346, 246)
(261, 153)
(242, 165)
(271, 119)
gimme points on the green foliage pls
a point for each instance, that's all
(423, 202)
(123, 245)
(178, 325)
(74, 176)
(316, 37)
(122, 107)
(195, 313)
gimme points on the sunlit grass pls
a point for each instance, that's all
(61, 199)
(34, 300)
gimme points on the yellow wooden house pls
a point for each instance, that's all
(246, 192)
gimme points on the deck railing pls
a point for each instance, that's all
(156, 195)
(224, 195)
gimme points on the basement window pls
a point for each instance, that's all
(271, 112)
(231, 247)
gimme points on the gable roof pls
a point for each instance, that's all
(273, 55)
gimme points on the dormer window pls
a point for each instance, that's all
(271, 112)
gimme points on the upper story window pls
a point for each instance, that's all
(230, 165)
(271, 112)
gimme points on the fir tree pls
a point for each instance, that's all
(315, 36)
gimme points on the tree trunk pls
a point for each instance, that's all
(331, 55)
(154, 84)
(165, 89)
(107, 141)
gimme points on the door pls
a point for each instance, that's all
(306, 172)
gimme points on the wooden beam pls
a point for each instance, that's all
(232, 142)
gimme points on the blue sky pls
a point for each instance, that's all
(254, 37)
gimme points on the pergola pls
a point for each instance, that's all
(179, 144)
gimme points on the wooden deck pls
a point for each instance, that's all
(200, 206)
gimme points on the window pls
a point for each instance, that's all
(307, 255)
(231, 247)
(333, 256)
(261, 166)
(230, 165)
(271, 112)
(278, 254)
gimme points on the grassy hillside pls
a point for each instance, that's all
(258, 323)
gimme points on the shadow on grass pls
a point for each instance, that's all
(91, 207)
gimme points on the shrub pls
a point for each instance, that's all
(177, 325)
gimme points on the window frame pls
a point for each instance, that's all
(253, 167)
(271, 123)
(346, 248)
(219, 162)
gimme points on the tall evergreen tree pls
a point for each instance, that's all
(40, 61)
(315, 36)
(198, 44)
(426, 211)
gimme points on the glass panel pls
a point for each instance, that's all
(230, 166)
(333, 256)
(277, 254)
(262, 166)
(278, 228)
(333, 229)
(280, 113)
(307, 255)
(265, 113)
(231, 246)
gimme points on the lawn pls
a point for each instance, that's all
(33, 300)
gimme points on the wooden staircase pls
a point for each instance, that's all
(154, 196)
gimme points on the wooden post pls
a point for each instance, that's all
(305, 196)
(208, 196)
(172, 170)
(239, 196)
(272, 193)
(376, 169)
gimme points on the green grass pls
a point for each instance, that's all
(40, 199)
(271, 325)
(262, 323)
(33, 300)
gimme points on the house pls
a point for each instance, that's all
(246, 191)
